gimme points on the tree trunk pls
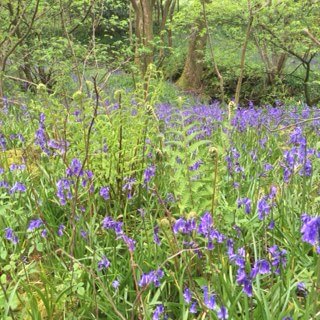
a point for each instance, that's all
(166, 11)
(144, 32)
(243, 59)
(275, 64)
(193, 68)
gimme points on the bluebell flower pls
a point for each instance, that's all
(149, 173)
(44, 233)
(3, 142)
(246, 202)
(10, 235)
(223, 313)
(278, 258)
(261, 266)
(115, 284)
(105, 193)
(193, 308)
(64, 190)
(60, 230)
(271, 225)
(75, 168)
(156, 238)
(208, 299)
(83, 234)
(35, 224)
(18, 187)
(187, 295)
(263, 208)
(301, 289)
(151, 277)
(129, 242)
(196, 165)
(205, 225)
(158, 312)
(104, 263)
(109, 223)
(14, 167)
(310, 230)
(128, 186)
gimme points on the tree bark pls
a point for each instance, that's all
(144, 32)
(193, 68)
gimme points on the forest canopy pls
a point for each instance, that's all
(247, 50)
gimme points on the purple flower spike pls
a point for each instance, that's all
(223, 313)
(158, 312)
(187, 295)
(35, 224)
(105, 193)
(9, 235)
(104, 263)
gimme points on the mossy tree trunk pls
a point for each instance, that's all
(191, 76)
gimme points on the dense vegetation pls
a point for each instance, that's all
(159, 159)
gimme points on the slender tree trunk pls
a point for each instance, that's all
(243, 59)
(216, 68)
(193, 68)
(144, 32)
(1, 83)
(306, 83)
(165, 13)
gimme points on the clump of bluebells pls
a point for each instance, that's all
(143, 248)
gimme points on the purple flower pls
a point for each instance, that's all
(297, 137)
(246, 202)
(244, 280)
(149, 173)
(115, 284)
(278, 258)
(156, 238)
(44, 233)
(35, 224)
(151, 277)
(263, 208)
(187, 295)
(196, 165)
(75, 168)
(158, 312)
(223, 313)
(310, 230)
(301, 289)
(205, 225)
(84, 234)
(18, 187)
(60, 230)
(129, 242)
(193, 307)
(184, 226)
(271, 225)
(128, 186)
(267, 167)
(60, 145)
(3, 142)
(109, 223)
(261, 266)
(104, 263)
(9, 235)
(209, 300)
(14, 167)
(105, 193)
(64, 190)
